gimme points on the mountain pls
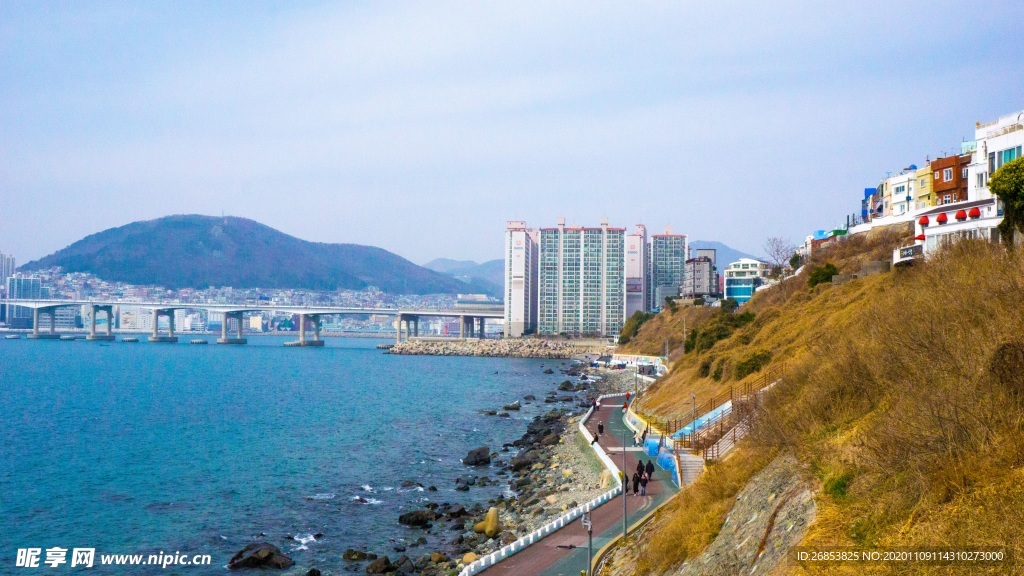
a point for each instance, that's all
(490, 275)
(724, 255)
(192, 251)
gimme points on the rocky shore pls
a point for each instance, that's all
(511, 348)
(546, 471)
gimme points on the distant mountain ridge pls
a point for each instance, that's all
(490, 275)
(193, 251)
(724, 255)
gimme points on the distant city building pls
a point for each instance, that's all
(711, 254)
(924, 197)
(701, 279)
(637, 275)
(6, 269)
(23, 287)
(582, 280)
(669, 253)
(521, 278)
(743, 277)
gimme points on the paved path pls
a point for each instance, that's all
(564, 553)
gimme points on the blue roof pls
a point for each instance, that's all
(869, 191)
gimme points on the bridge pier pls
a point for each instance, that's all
(52, 334)
(109, 311)
(156, 337)
(482, 325)
(316, 341)
(238, 339)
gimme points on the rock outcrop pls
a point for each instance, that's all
(260, 555)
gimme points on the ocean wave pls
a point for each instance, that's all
(367, 488)
(370, 501)
(322, 496)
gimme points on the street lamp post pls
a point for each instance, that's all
(588, 524)
(624, 480)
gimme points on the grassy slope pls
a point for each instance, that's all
(893, 397)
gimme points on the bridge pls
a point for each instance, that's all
(472, 318)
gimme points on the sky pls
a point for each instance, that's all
(423, 127)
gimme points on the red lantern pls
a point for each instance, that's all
(974, 212)
(961, 214)
(923, 221)
(919, 237)
(942, 219)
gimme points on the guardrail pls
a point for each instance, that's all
(493, 558)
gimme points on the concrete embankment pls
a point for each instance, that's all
(512, 348)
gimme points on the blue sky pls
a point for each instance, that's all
(422, 127)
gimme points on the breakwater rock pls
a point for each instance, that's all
(513, 348)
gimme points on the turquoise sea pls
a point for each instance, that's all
(142, 448)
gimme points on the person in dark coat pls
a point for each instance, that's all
(636, 483)
(643, 485)
(650, 470)
(640, 467)
(600, 427)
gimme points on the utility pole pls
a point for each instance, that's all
(590, 542)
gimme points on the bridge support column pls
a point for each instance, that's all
(238, 339)
(398, 329)
(36, 333)
(462, 327)
(156, 337)
(316, 341)
(108, 310)
(482, 326)
(416, 326)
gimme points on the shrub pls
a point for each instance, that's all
(752, 363)
(822, 274)
(632, 326)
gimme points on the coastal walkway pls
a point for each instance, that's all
(564, 552)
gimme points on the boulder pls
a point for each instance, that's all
(478, 457)
(549, 371)
(566, 386)
(260, 555)
(313, 572)
(566, 473)
(417, 518)
(490, 525)
(551, 499)
(529, 397)
(513, 406)
(469, 558)
(380, 566)
(437, 557)
(353, 555)
(606, 478)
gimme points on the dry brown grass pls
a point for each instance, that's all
(904, 393)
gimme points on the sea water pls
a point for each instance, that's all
(147, 448)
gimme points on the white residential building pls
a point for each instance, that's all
(997, 143)
(637, 298)
(521, 290)
(743, 277)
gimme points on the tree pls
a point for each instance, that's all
(778, 250)
(822, 274)
(795, 261)
(670, 304)
(1008, 184)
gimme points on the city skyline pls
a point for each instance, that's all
(359, 123)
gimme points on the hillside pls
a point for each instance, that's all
(200, 251)
(901, 401)
(489, 276)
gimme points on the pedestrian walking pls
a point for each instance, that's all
(636, 439)
(643, 485)
(650, 470)
(600, 427)
(643, 437)
(640, 467)
(636, 483)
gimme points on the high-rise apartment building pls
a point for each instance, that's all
(28, 287)
(669, 253)
(582, 280)
(637, 277)
(521, 266)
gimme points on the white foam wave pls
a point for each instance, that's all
(323, 496)
(367, 488)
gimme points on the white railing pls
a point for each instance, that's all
(533, 537)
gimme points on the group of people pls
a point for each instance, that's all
(600, 430)
(643, 475)
(639, 439)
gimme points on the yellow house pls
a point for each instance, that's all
(923, 197)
